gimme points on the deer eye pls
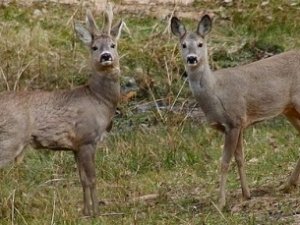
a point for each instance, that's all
(94, 48)
(113, 45)
(200, 45)
(184, 45)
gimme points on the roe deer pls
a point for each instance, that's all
(72, 120)
(234, 98)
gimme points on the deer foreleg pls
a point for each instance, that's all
(231, 140)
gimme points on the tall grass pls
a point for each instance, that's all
(153, 168)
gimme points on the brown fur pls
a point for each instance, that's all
(234, 98)
(72, 120)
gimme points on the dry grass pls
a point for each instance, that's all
(156, 167)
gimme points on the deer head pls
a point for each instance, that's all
(193, 44)
(102, 44)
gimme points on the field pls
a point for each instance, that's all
(160, 163)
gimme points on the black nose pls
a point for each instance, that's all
(192, 59)
(105, 57)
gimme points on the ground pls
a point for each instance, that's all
(160, 163)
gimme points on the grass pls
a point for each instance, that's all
(173, 159)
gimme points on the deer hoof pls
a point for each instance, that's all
(221, 204)
(86, 212)
(246, 194)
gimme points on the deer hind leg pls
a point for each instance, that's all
(10, 150)
(13, 140)
(20, 154)
(85, 159)
(231, 140)
(294, 119)
(239, 158)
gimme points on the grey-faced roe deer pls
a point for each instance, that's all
(234, 98)
(72, 120)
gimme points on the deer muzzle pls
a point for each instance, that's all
(106, 58)
(192, 59)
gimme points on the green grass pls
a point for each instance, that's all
(174, 158)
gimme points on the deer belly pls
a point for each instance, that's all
(256, 116)
(53, 140)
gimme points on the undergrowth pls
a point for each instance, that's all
(166, 157)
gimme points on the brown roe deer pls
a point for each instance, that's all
(73, 120)
(232, 99)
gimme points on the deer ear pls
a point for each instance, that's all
(177, 27)
(84, 35)
(204, 26)
(116, 30)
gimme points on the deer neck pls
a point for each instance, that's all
(105, 86)
(201, 78)
(202, 83)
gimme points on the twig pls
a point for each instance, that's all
(53, 180)
(20, 72)
(145, 197)
(126, 29)
(145, 103)
(5, 79)
(112, 214)
(174, 50)
(179, 92)
(13, 207)
(75, 12)
(54, 206)
(181, 123)
(25, 222)
(155, 102)
(168, 73)
(122, 56)
(182, 220)
(105, 214)
(153, 30)
(219, 211)
(167, 29)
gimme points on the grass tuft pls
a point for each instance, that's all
(155, 167)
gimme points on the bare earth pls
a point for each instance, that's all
(156, 8)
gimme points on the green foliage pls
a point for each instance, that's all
(152, 152)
